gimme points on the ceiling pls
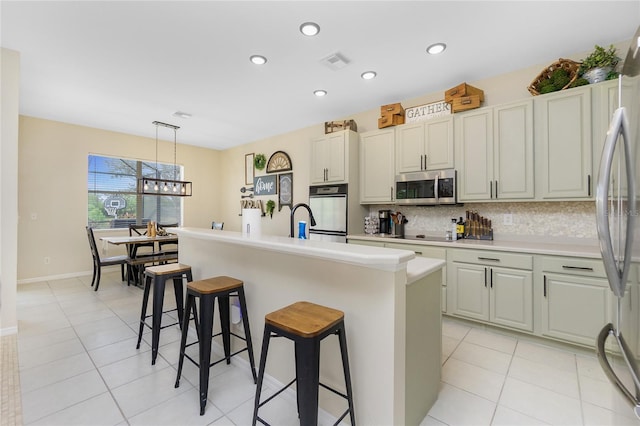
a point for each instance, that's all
(120, 65)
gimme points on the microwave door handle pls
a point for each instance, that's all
(436, 191)
(617, 278)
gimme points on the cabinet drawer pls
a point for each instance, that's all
(493, 258)
(420, 250)
(573, 266)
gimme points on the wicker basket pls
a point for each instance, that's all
(570, 66)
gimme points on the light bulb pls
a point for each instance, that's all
(183, 190)
(175, 188)
(165, 188)
(146, 185)
(155, 187)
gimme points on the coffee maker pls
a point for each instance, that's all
(384, 217)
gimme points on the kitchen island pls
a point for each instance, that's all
(391, 302)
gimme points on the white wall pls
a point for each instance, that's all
(9, 94)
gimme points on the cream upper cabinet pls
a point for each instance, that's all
(330, 157)
(426, 145)
(474, 159)
(491, 286)
(563, 145)
(495, 153)
(377, 166)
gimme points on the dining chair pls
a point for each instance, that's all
(217, 225)
(99, 262)
(162, 245)
(148, 249)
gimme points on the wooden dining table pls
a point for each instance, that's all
(137, 262)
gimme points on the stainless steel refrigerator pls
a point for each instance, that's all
(618, 344)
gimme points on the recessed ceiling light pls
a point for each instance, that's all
(181, 114)
(434, 49)
(310, 29)
(368, 75)
(320, 92)
(258, 59)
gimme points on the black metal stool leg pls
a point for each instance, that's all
(308, 378)
(247, 331)
(342, 336)
(206, 329)
(156, 323)
(177, 290)
(263, 362)
(223, 307)
(185, 331)
(143, 314)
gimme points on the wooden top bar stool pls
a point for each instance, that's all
(306, 324)
(158, 276)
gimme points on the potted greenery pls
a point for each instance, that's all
(600, 64)
(271, 205)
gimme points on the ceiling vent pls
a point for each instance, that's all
(335, 61)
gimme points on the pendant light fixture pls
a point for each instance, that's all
(155, 185)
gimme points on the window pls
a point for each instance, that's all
(112, 198)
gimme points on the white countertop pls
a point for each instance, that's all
(421, 267)
(587, 249)
(366, 256)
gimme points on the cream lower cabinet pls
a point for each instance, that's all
(481, 290)
(574, 298)
(377, 166)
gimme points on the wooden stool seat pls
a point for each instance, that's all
(305, 319)
(215, 285)
(156, 277)
(168, 269)
(207, 291)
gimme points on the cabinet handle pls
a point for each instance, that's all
(492, 259)
(577, 268)
(421, 162)
(544, 286)
(490, 189)
(425, 161)
(496, 190)
(589, 185)
(419, 253)
(485, 277)
(391, 190)
(465, 102)
(453, 92)
(491, 276)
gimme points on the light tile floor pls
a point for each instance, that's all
(79, 366)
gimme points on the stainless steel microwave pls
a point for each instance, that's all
(426, 188)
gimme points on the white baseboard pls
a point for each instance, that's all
(8, 331)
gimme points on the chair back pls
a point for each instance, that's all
(217, 225)
(139, 230)
(92, 243)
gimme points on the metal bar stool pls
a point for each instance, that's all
(208, 290)
(158, 275)
(306, 324)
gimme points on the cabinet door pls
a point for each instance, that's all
(438, 139)
(513, 151)
(574, 308)
(468, 294)
(563, 134)
(511, 298)
(377, 167)
(474, 145)
(328, 158)
(410, 148)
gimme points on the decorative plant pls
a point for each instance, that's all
(260, 161)
(271, 205)
(600, 58)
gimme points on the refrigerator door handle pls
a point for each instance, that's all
(617, 276)
(607, 331)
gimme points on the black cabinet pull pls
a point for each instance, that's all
(544, 286)
(577, 268)
(490, 189)
(496, 190)
(419, 253)
(485, 277)
(492, 259)
(491, 278)
(589, 185)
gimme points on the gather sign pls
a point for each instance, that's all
(428, 111)
(264, 185)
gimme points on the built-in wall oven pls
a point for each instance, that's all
(329, 206)
(426, 187)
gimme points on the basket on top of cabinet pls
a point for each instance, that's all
(464, 97)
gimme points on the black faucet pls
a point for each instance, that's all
(293, 211)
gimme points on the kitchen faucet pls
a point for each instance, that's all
(293, 211)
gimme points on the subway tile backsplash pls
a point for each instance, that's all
(536, 220)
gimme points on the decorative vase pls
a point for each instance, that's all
(596, 75)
